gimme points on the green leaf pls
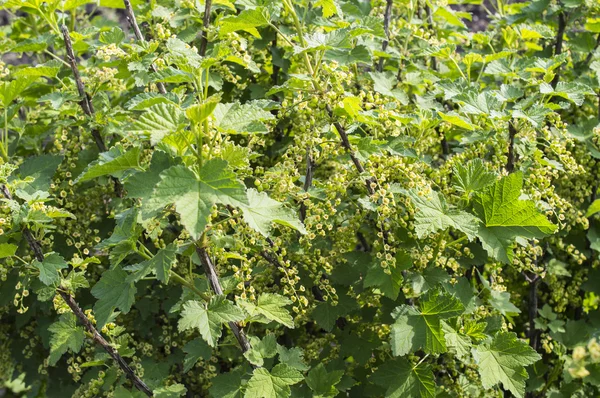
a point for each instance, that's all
(247, 20)
(572, 91)
(262, 212)
(112, 291)
(7, 250)
(227, 385)
(241, 118)
(194, 350)
(160, 264)
(172, 391)
(49, 268)
(293, 357)
(41, 169)
(503, 360)
(329, 7)
(273, 384)
(325, 313)
(194, 195)
(65, 335)
(457, 343)
(158, 121)
(209, 319)
(593, 209)
(472, 176)
(435, 214)
(270, 307)
(506, 217)
(457, 120)
(415, 329)
(322, 382)
(200, 112)
(113, 162)
(261, 350)
(9, 91)
(146, 100)
(389, 283)
(384, 85)
(402, 379)
(141, 184)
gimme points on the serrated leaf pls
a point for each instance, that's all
(112, 291)
(194, 350)
(262, 212)
(160, 264)
(227, 385)
(384, 84)
(49, 268)
(273, 384)
(158, 121)
(503, 360)
(457, 120)
(293, 357)
(209, 318)
(593, 209)
(322, 382)
(421, 328)
(247, 20)
(271, 307)
(141, 185)
(506, 217)
(434, 214)
(41, 169)
(113, 162)
(472, 176)
(172, 391)
(7, 250)
(146, 100)
(200, 112)
(261, 350)
(402, 379)
(241, 118)
(194, 195)
(65, 335)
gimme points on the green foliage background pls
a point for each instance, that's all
(279, 198)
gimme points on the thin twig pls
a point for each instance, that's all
(38, 253)
(205, 24)
(562, 24)
(138, 34)
(307, 183)
(348, 147)
(215, 285)
(86, 101)
(387, 16)
(511, 157)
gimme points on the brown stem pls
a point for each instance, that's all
(348, 147)
(511, 157)
(588, 59)
(215, 285)
(205, 24)
(86, 102)
(97, 337)
(138, 34)
(387, 16)
(307, 183)
(430, 21)
(35, 246)
(534, 281)
(562, 24)
(443, 143)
